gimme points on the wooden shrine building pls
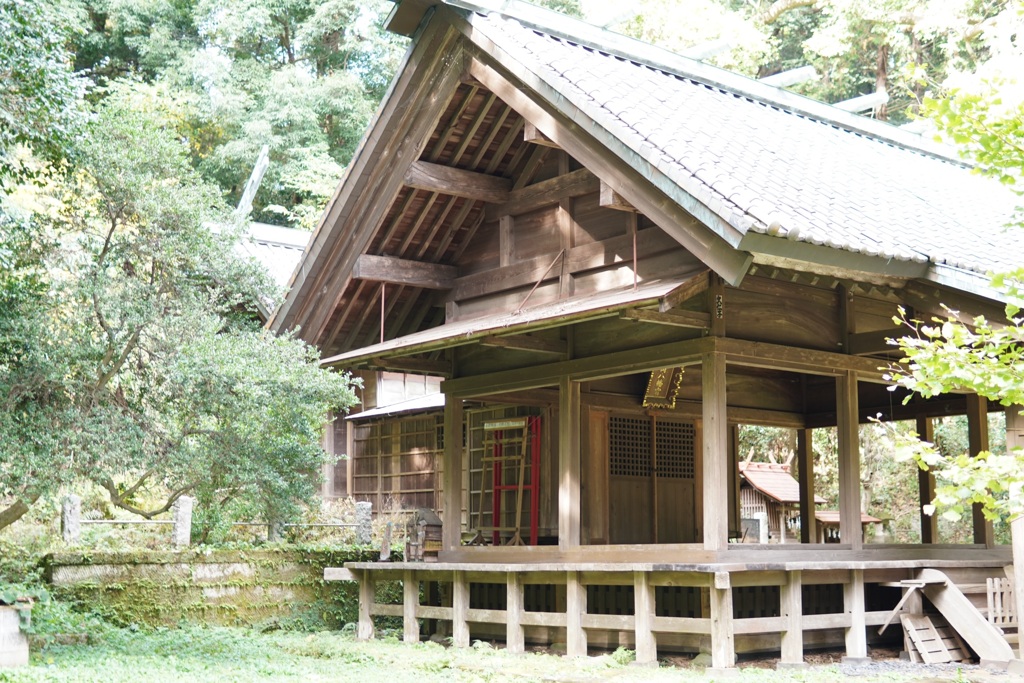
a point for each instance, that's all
(614, 256)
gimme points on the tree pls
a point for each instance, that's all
(138, 365)
(39, 102)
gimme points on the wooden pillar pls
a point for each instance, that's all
(575, 608)
(853, 602)
(568, 464)
(723, 645)
(643, 619)
(515, 637)
(977, 435)
(1015, 440)
(926, 484)
(453, 456)
(715, 455)
(805, 461)
(792, 607)
(327, 469)
(410, 601)
(367, 595)
(460, 606)
(850, 529)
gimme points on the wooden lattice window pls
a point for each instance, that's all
(629, 446)
(675, 442)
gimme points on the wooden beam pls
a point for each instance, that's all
(456, 182)
(545, 193)
(875, 342)
(582, 369)
(451, 530)
(399, 271)
(926, 485)
(531, 134)
(569, 414)
(692, 319)
(715, 454)
(808, 361)
(610, 199)
(693, 287)
(716, 304)
(850, 528)
(409, 364)
(406, 16)
(977, 436)
(526, 342)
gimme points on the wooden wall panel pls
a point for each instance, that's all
(595, 477)
(629, 510)
(536, 234)
(783, 313)
(595, 223)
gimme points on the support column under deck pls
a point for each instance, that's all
(853, 602)
(723, 641)
(791, 604)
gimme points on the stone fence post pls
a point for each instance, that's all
(181, 530)
(364, 517)
(71, 519)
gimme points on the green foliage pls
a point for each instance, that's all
(39, 102)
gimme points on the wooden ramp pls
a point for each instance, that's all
(932, 641)
(984, 638)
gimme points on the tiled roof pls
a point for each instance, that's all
(767, 169)
(277, 248)
(774, 481)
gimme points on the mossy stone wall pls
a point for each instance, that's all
(229, 587)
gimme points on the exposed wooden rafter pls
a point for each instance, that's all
(610, 199)
(440, 368)
(456, 182)
(545, 193)
(527, 342)
(531, 134)
(695, 286)
(404, 272)
(692, 319)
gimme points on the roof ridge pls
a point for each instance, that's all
(563, 27)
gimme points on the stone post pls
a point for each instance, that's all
(274, 531)
(71, 519)
(364, 518)
(181, 531)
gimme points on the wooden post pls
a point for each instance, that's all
(805, 461)
(926, 484)
(850, 528)
(723, 646)
(643, 619)
(460, 605)
(568, 464)
(575, 608)
(977, 435)
(1014, 440)
(715, 456)
(453, 454)
(515, 637)
(327, 469)
(791, 604)
(367, 595)
(853, 601)
(410, 601)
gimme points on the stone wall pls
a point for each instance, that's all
(230, 587)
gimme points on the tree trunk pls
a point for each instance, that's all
(15, 511)
(882, 81)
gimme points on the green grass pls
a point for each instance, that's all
(225, 655)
